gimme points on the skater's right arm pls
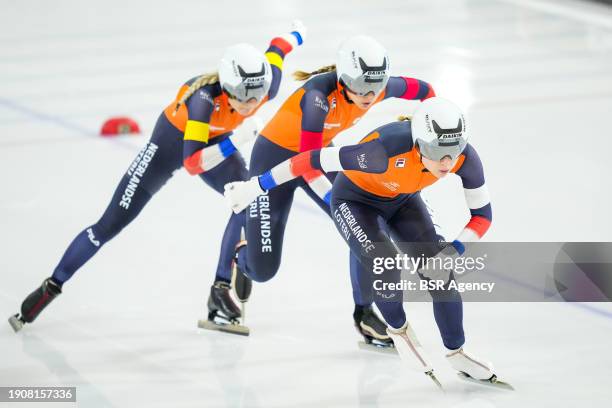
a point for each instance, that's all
(198, 156)
(369, 157)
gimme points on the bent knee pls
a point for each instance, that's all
(262, 271)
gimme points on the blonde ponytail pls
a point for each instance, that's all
(303, 75)
(404, 118)
(206, 79)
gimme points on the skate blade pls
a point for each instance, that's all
(224, 327)
(378, 348)
(433, 377)
(492, 382)
(15, 323)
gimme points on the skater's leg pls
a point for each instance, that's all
(231, 237)
(361, 226)
(232, 169)
(367, 238)
(362, 293)
(413, 230)
(153, 166)
(366, 320)
(149, 171)
(223, 313)
(91, 239)
(266, 217)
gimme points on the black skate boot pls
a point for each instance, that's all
(241, 283)
(373, 330)
(223, 313)
(35, 303)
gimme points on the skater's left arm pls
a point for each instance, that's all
(476, 198)
(279, 48)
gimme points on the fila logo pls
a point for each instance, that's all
(401, 162)
(92, 237)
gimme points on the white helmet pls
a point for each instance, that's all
(244, 73)
(363, 65)
(438, 129)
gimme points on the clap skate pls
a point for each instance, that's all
(35, 303)
(223, 313)
(475, 370)
(373, 330)
(411, 351)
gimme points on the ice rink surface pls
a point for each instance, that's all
(534, 77)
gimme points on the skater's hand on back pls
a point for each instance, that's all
(240, 194)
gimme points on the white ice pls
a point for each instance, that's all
(534, 77)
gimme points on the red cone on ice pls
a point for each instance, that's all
(119, 126)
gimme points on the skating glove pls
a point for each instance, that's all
(247, 132)
(298, 27)
(439, 267)
(240, 194)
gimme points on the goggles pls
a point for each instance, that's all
(437, 150)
